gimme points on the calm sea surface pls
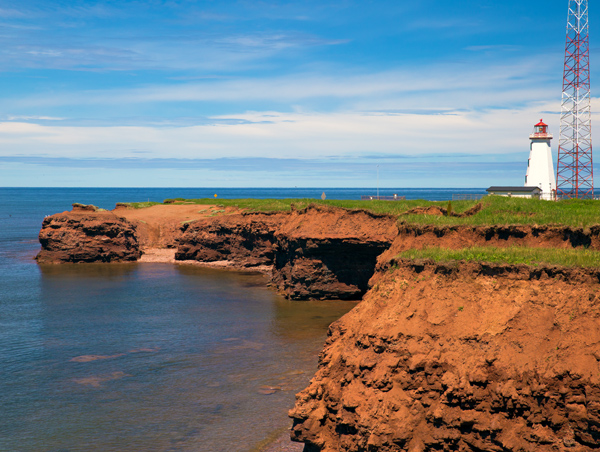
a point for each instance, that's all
(148, 357)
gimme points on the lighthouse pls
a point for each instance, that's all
(540, 170)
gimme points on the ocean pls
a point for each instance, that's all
(149, 357)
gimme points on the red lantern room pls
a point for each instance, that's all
(540, 131)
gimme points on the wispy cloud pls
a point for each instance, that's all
(34, 118)
(175, 52)
(444, 88)
(398, 163)
(11, 13)
(272, 134)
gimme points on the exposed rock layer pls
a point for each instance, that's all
(412, 236)
(328, 268)
(85, 235)
(247, 242)
(465, 357)
(317, 252)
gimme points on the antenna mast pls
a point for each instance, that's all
(574, 171)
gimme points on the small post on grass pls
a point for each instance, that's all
(377, 182)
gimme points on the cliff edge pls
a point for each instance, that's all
(318, 252)
(460, 357)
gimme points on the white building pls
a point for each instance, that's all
(516, 192)
(540, 169)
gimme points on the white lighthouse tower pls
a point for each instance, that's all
(540, 170)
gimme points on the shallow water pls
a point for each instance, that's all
(151, 357)
(142, 357)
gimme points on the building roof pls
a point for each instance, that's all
(541, 123)
(518, 189)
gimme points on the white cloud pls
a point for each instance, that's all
(34, 118)
(290, 135)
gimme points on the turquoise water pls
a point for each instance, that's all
(144, 357)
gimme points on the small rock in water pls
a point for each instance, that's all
(144, 350)
(268, 390)
(97, 380)
(89, 358)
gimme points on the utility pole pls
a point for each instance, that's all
(574, 169)
(378, 182)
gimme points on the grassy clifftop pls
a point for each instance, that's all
(495, 210)
(583, 258)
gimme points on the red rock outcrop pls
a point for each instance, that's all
(246, 240)
(460, 357)
(329, 252)
(87, 235)
(449, 357)
(317, 252)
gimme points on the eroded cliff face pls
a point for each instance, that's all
(87, 235)
(452, 357)
(326, 268)
(412, 236)
(317, 252)
(463, 357)
(243, 240)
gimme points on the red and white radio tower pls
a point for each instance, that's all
(574, 171)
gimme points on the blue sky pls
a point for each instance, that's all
(275, 93)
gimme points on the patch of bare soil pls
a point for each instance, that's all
(162, 255)
(159, 226)
(440, 211)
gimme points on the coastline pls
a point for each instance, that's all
(433, 341)
(279, 441)
(319, 252)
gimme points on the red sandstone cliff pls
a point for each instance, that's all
(465, 357)
(88, 235)
(317, 252)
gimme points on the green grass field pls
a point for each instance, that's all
(496, 210)
(511, 255)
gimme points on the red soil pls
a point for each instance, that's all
(460, 357)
